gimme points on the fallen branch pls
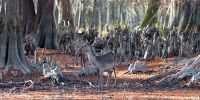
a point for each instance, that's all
(188, 70)
(17, 84)
(196, 62)
(158, 76)
(87, 71)
(181, 74)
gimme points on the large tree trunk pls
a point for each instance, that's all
(196, 16)
(82, 16)
(50, 13)
(95, 17)
(11, 49)
(46, 31)
(28, 16)
(186, 14)
(150, 17)
(20, 17)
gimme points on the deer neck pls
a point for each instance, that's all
(91, 56)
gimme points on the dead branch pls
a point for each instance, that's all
(87, 71)
(161, 75)
(28, 83)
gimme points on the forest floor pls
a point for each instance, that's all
(126, 88)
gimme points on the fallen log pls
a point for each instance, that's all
(87, 70)
(28, 83)
(161, 75)
(137, 67)
(187, 71)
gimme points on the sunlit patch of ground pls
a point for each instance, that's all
(106, 94)
(111, 93)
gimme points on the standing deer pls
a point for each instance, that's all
(103, 63)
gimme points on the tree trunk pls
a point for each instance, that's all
(28, 16)
(46, 31)
(11, 49)
(150, 17)
(49, 16)
(185, 17)
(22, 17)
(95, 16)
(83, 14)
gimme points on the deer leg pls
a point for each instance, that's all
(100, 78)
(81, 61)
(115, 77)
(109, 77)
(98, 75)
(76, 58)
(84, 61)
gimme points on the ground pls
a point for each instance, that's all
(127, 85)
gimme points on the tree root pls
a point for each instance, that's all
(171, 76)
(87, 71)
(137, 67)
(158, 76)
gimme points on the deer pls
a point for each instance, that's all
(103, 63)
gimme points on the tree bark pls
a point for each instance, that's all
(11, 39)
(95, 16)
(150, 17)
(48, 20)
(185, 17)
(46, 31)
(28, 16)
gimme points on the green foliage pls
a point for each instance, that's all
(163, 30)
(150, 17)
(111, 28)
(118, 23)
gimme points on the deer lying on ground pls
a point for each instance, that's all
(103, 63)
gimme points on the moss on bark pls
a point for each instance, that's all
(150, 17)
